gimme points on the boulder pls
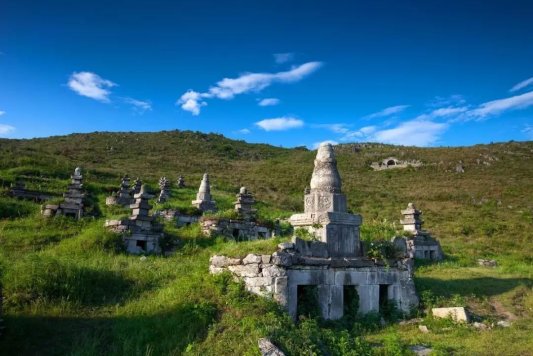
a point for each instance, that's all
(267, 348)
(456, 313)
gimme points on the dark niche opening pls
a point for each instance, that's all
(307, 301)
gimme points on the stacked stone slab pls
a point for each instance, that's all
(420, 243)
(240, 230)
(142, 234)
(181, 182)
(333, 263)
(72, 204)
(123, 196)
(244, 204)
(164, 186)
(18, 190)
(203, 200)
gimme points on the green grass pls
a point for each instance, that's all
(71, 290)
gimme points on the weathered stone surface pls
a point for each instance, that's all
(251, 270)
(251, 258)
(216, 270)
(265, 259)
(421, 350)
(455, 313)
(503, 323)
(267, 348)
(274, 271)
(258, 281)
(223, 261)
(281, 259)
(286, 246)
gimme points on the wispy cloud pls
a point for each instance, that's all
(280, 123)
(228, 88)
(268, 102)
(281, 58)
(91, 85)
(387, 111)
(336, 128)
(2, 112)
(496, 107)
(141, 106)
(244, 131)
(522, 85)
(528, 130)
(411, 133)
(6, 129)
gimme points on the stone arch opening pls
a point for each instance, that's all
(391, 162)
(350, 301)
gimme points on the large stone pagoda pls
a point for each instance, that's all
(325, 215)
(203, 200)
(328, 263)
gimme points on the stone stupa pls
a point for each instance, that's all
(203, 198)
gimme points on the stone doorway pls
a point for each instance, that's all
(350, 301)
(307, 301)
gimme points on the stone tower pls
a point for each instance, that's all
(325, 216)
(203, 197)
(244, 204)
(412, 221)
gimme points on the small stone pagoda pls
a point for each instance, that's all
(203, 198)
(141, 233)
(329, 264)
(420, 243)
(137, 184)
(181, 182)
(164, 186)
(72, 205)
(244, 204)
(123, 196)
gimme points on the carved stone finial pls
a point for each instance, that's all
(325, 175)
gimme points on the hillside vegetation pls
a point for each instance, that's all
(70, 289)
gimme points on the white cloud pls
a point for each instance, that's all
(91, 85)
(448, 111)
(268, 102)
(2, 112)
(362, 132)
(6, 129)
(528, 130)
(443, 101)
(499, 106)
(317, 144)
(411, 133)
(337, 128)
(387, 111)
(244, 131)
(283, 57)
(191, 101)
(522, 84)
(280, 124)
(139, 105)
(228, 88)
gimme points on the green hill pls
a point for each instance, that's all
(68, 290)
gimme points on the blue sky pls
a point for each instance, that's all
(288, 73)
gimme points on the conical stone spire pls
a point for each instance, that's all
(325, 194)
(326, 177)
(203, 197)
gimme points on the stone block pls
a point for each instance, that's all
(251, 258)
(251, 270)
(265, 259)
(274, 271)
(258, 281)
(281, 259)
(223, 261)
(267, 348)
(216, 270)
(455, 313)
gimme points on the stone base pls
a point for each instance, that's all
(140, 243)
(276, 276)
(237, 229)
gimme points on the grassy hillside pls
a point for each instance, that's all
(70, 290)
